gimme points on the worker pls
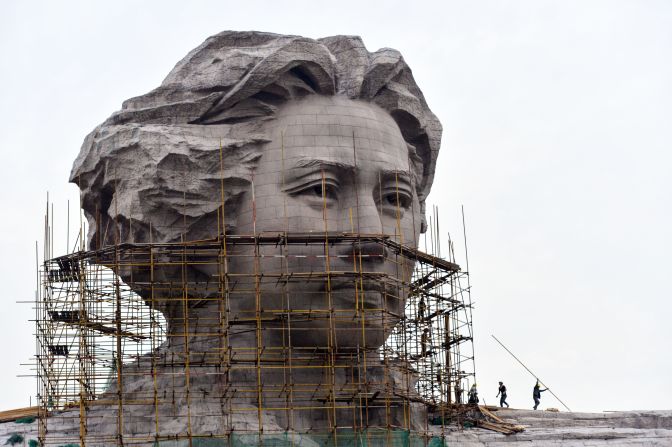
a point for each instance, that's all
(473, 394)
(458, 393)
(422, 307)
(425, 342)
(502, 392)
(536, 394)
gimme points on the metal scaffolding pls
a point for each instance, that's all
(154, 334)
(98, 328)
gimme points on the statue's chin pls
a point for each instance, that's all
(343, 338)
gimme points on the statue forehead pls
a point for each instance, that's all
(333, 121)
(320, 105)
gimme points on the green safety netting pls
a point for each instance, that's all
(26, 420)
(342, 438)
(14, 439)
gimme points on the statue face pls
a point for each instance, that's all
(336, 165)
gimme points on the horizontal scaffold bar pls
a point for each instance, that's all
(267, 238)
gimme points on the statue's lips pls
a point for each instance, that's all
(367, 293)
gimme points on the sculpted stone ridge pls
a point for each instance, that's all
(157, 160)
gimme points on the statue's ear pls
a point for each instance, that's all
(423, 217)
(417, 139)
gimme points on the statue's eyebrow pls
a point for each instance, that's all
(323, 164)
(401, 176)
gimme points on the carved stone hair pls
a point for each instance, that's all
(157, 160)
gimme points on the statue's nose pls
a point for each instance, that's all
(361, 214)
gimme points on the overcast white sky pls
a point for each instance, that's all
(557, 140)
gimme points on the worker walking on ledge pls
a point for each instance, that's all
(502, 391)
(536, 394)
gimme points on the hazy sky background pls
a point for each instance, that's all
(557, 140)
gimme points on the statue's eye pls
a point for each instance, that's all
(398, 199)
(319, 190)
(327, 191)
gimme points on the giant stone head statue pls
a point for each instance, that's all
(256, 132)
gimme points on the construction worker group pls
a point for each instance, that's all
(501, 393)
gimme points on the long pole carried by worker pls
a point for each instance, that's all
(528, 370)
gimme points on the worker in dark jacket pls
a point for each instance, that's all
(473, 394)
(502, 392)
(536, 394)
